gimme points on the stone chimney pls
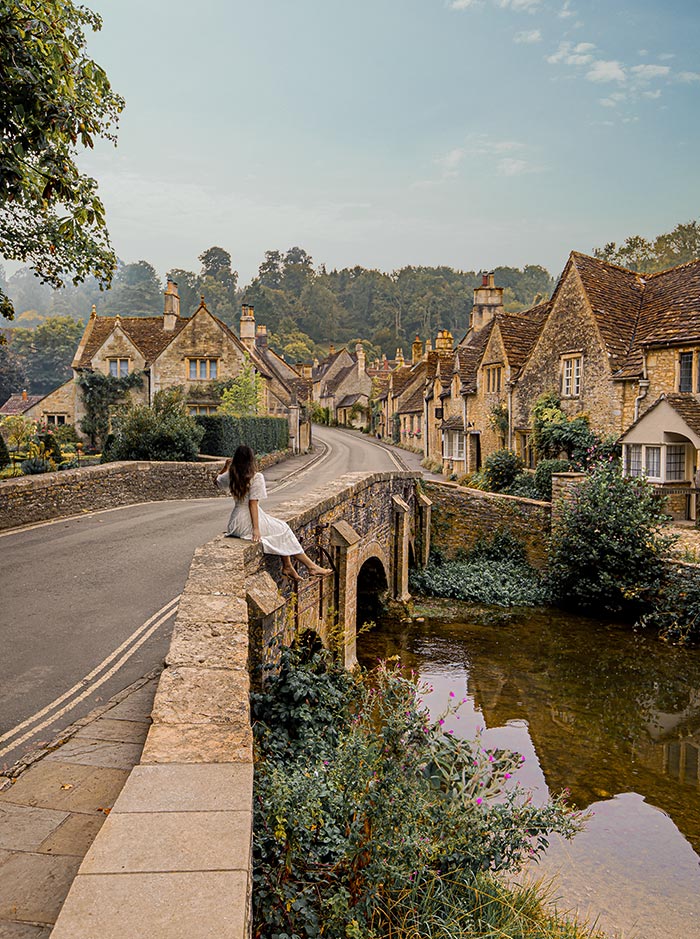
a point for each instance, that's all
(261, 337)
(488, 300)
(247, 329)
(416, 350)
(171, 306)
(428, 347)
(307, 371)
(444, 341)
(400, 361)
(24, 395)
(361, 359)
(331, 349)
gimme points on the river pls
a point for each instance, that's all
(612, 715)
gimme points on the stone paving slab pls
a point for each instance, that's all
(202, 696)
(137, 706)
(224, 645)
(67, 787)
(199, 905)
(10, 930)
(23, 827)
(106, 728)
(74, 836)
(171, 841)
(198, 743)
(197, 787)
(33, 886)
(106, 753)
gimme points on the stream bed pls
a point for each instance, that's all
(611, 715)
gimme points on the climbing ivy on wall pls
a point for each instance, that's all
(100, 393)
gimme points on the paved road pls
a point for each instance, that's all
(87, 604)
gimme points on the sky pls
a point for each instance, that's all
(470, 133)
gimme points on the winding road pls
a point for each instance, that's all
(87, 604)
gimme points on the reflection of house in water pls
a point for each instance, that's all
(588, 722)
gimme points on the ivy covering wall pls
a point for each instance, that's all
(223, 434)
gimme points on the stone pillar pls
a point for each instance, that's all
(424, 521)
(400, 548)
(563, 488)
(346, 543)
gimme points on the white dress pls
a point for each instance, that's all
(276, 536)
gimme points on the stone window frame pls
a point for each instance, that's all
(493, 378)
(55, 418)
(694, 374)
(198, 361)
(572, 380)
(205, 409)
(119, 366)
(453, 445)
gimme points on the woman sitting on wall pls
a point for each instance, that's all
(247, 486)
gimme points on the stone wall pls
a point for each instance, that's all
(30, 499)
(461, 517)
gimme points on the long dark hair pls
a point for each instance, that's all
(241, 471)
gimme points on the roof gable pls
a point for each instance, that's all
(675, 413)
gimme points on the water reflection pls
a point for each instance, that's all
(611, 715)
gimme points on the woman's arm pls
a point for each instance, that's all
(253, 506)
(220, 472)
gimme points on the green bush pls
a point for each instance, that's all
(51, 445)
(371, 821)
(35, 465)
(543, 476)
(523, 486)
(501, 469)
(675, 611)
(223, 434)
(497, 583)
(66, 434)
(4, 453)
(162, 432)
(607, 547)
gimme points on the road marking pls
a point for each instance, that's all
(293, 477)
(138, 637)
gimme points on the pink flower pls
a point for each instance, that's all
(452, 694)
(479, 801)
(507, 775)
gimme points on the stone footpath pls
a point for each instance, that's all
(51, 811)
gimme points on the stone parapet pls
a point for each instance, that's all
(30, 499)
(461, 517)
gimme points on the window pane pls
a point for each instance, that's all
(567, 376)
(675, 462)
(193, 369)
(123, 367)
(577, 376)
(212, 368)
(113, 368)
(685, 382)
(653, 462)
(634, 459)
(202, 368)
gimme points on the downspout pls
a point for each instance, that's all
(510, 414)
(643, 387)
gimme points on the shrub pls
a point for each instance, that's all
(497, 583)
(432, 464)
(4, 453)
(367, 814)
(51, 446)
(543, 476)
(523, 486)
(223, 434)
(675, 612)
(162, 432)
(501, 469)
(608, 544)
(66, 434)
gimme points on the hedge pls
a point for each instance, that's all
(223, 434)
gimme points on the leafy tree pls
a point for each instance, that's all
(243, 396)
(27, 292)
(4, 453)
(136, 291)
(47, 351)
(292, 343)
(271, 306)
(217, 282)
(216, 263)
(18, 431)
(667, 250)
(270, 271)
(501, 469)
(297, 272)
(165, 431)
(100, 393)
(54, 100)
(13, 374)
(609, 543)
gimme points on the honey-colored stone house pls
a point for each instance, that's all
(342, 384)
(189, 352)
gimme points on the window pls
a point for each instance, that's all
(202, 369)
(675, 462)
(652, 462)
(571, 376)
(492, 374)
(453, 445)
(118, 368)
(634, 459)
(55, 419)
(203, 409)
(685, 371)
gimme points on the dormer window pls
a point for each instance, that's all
(571, 368)
(118, 368)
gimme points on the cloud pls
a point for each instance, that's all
(566, 11)
(570, 54)
(666, 56)
(652, 94)
(606, 71)
(688, 77)
(528, 36)
(509, 166)
(520, 6)
(613, 100)
(464, 4)
(649, 72)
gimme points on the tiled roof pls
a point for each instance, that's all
(671, 306)
(146, 333)
(349, 400)
(400, 378)
(18, 404)
(615, 295)
(413, 403)
(469, 357)
(520, 332)
(336, 380)
(453, 423)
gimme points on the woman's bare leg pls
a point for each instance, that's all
(288, 568)
(310, 566)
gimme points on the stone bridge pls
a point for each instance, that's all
(174, 856)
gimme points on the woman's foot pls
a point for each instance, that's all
(291, 573)
(316, 571)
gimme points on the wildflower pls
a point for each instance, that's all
(479, 801)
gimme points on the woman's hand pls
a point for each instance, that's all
(256, 535)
